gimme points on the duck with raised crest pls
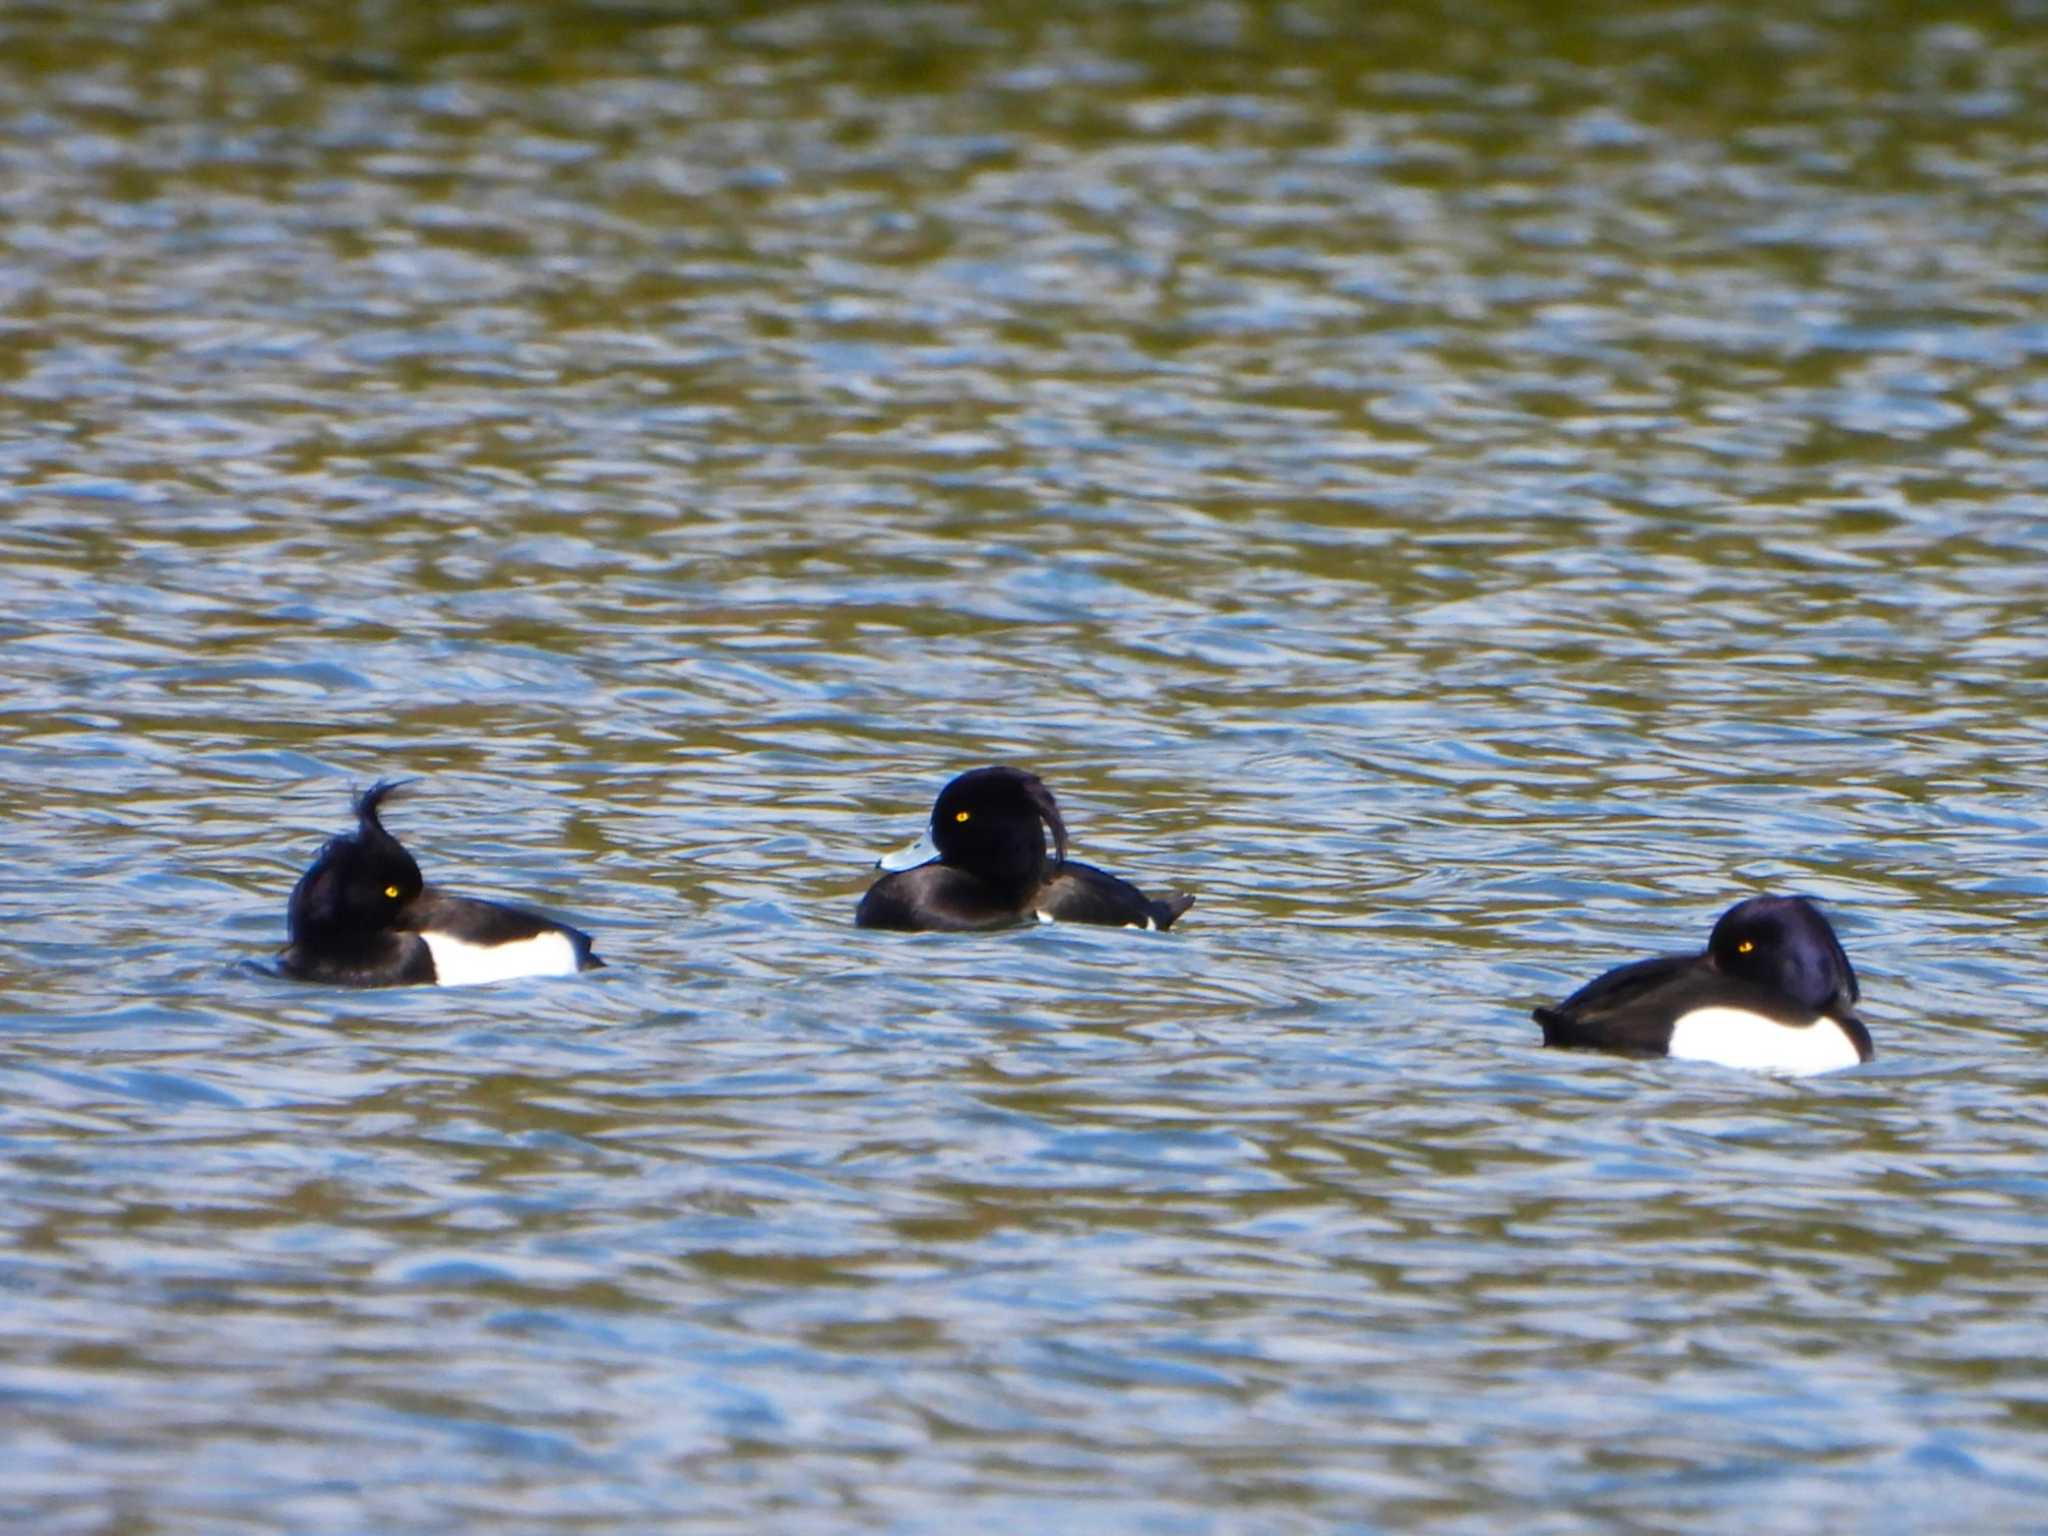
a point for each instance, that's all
(363, 917)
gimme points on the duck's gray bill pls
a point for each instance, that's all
(923, 851)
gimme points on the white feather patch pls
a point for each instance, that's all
(1046, 917)
(457, 964)
(1735, 1037)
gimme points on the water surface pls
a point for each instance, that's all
(1469, 499)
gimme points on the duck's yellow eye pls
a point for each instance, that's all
(391, 891)
(962, 815)
(1745, 946)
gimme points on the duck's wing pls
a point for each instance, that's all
(1630, 1008)
(1081, 893)
(490, 924)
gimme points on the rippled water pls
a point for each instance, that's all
(1469, 498)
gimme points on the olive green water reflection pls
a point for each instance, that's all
(1468, 496)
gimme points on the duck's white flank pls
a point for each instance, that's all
(457, 964)
(1735, 1037)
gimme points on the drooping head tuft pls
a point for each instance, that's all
(1048, 812)
(994, 820)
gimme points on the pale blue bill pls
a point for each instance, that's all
(923, 851)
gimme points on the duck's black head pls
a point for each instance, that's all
(358, 885)
(992, 822)
(1784, 943)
